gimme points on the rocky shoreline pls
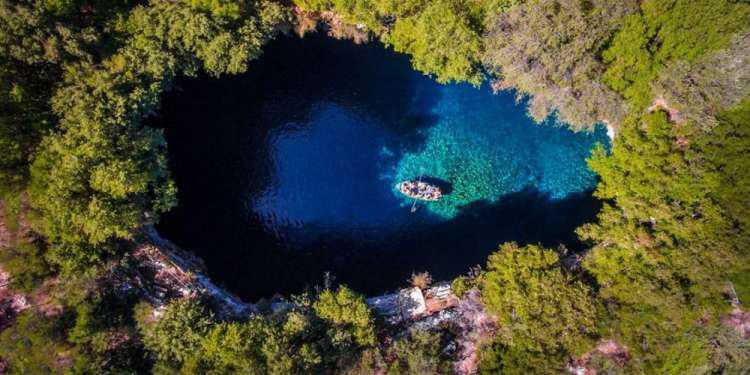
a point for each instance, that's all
(434, 307)
(179, 273)
(185, 274)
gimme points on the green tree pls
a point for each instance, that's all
(665, 31)
(32, 344)
(349, 316)
(442, 40)
(700, 90)
(254, 347)
(728, 152)
(224, 9)
(442, 37)
(542, 311)
(549, 50)
(104, 334)
(104, 174)
(34, 44)
(672, 234)
(419, 353)
(25, 261)
(177, 333)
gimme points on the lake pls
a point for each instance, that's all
(288, 171)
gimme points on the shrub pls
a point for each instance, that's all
(421, 280)
(419, 353)
(26, 264)
(32, 344)
(541, 310)
(349, 316)
(176, 335)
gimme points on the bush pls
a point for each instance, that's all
(26, 264)
(541, 310)
(32, 344)
(421, 280)
(349, 316)
(176, 335)
(419, 353)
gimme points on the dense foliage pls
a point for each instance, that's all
(665, 31)
(102, 174)
(80, 175)
(543, 314)
(298, 338)
(443, 37)
(550, 50)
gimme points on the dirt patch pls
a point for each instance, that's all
(610, 349)
(475, 327)
(6, 237)
(661, 103)
(739, 320)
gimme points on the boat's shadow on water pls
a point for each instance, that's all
(445, 186)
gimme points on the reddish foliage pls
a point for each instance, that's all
(739, 320)
(475, 326)
(610, 349)
(661, 103)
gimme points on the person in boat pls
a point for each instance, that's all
(420, 190)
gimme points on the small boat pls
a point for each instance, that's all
(420, 190)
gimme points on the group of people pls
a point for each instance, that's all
(420, 190)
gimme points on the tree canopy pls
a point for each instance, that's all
(549, 50)
(541, 309)
(665, 31)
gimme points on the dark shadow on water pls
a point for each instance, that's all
(448, 249)
(255, 264)
(218, 135)
(213, 124)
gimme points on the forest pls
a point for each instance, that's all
(666, 273)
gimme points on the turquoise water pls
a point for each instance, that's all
(289, 171)
(338, 166)
(485, 146)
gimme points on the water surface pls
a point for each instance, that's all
(288, 171)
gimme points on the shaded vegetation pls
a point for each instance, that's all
(549, 49)
(306, 336)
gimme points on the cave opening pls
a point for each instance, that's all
(287, 172)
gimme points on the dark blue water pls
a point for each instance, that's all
(288, 171)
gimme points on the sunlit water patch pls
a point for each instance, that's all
(288, 171)
(327, 176)
(484, 147)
